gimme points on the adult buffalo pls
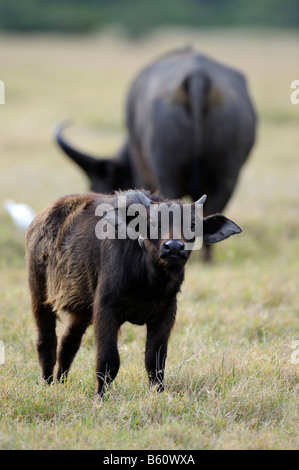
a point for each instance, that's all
(191, 126)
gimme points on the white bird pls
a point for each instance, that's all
(21, 214)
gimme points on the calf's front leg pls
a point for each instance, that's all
(156, 349)
(107, 356)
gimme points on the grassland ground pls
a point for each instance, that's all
(232, 375)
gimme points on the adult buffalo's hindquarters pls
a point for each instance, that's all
(76, 265)
(191, 126)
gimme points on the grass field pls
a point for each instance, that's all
(231, 376)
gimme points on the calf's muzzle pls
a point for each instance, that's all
(173, 251)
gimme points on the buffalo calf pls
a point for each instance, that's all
(107, 263)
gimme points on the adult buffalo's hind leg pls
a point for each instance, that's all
(69, 345)
(223, 185)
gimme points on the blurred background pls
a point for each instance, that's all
(139, 17)
(76, 59)
(231, 383)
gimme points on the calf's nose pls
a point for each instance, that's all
(173, 247)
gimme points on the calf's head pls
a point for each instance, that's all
(168, 231)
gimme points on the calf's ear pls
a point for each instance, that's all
(217, 227)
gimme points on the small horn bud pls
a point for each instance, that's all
(141, 241)
(202, 200)
(145, 200)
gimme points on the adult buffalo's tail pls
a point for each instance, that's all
(197, 86)
(86, 162)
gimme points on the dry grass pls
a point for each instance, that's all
(230, 379)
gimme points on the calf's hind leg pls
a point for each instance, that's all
(69, 345)
(46, 340)
(45, 320)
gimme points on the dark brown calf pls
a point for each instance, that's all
(106, 281)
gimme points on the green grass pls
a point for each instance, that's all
(230, 381)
